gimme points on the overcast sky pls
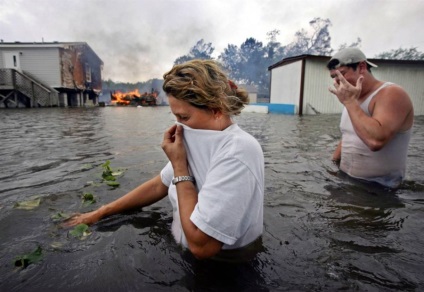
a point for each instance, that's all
(140, 40)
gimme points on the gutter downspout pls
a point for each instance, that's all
(302, 83)
(270, 86)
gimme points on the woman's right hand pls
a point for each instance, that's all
(173, 146)
(84, 218)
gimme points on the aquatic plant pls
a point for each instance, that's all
(107, 171)
(113, 184)
(60, 216)
(25, 260)
(110, 175)
(88, 199)
(80, 231)
(28, 205)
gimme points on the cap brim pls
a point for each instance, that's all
(371, 64)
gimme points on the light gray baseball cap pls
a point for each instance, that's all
(350, 56)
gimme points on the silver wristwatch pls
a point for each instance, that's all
(178, 179)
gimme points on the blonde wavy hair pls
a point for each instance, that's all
(203, 84)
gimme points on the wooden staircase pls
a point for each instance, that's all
(20, 89)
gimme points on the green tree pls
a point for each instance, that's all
(252, 61)
(316, 41)
(355, 44)
(249, 62)
(274, 51)
(200, 50)
(402, 54)
(230, 58)
(246, 64)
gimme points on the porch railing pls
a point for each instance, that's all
(38, 94)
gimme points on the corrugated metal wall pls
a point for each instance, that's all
(316, 97)
(409, 76)
(43, 63)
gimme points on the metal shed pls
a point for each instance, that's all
(299, 85)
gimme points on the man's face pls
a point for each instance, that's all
(348, 73)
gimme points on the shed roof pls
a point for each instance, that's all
(64, 45)
(289, 60)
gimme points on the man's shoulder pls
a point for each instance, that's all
(392, 93)
(393, 88)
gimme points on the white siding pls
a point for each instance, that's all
(316, 97)
(44, 63)
(410, 77)
(285, 84)
(253, 97)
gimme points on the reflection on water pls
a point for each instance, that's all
(322, 231)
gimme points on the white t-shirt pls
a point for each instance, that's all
(228, 167)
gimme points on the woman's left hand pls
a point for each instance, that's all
(173, 146)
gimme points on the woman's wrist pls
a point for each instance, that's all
(180, 170)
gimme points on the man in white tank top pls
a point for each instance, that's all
(376, 121)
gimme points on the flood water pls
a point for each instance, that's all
(322, 232)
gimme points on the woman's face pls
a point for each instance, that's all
(193, 117)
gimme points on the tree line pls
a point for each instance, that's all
(249, 62)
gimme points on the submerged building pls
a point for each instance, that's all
(49, 74)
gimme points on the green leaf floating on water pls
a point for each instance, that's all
(24, 261)
(107, 171)
(117, 172)
(28, 205)
(88, 199)
(109, 178)
(110, 175)
(60, 216)
(114, 184)
(80, 231)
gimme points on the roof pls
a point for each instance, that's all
(249, 88)
(289, 60)
(64, 45)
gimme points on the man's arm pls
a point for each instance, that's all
(337, 154)
(391, 112)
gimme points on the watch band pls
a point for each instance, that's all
(178, 179)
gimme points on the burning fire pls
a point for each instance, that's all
(134, 98)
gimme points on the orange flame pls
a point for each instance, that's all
(125, 98)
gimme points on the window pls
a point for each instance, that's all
(87, 73)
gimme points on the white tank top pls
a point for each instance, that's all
(386, 166)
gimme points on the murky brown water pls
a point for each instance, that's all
(322, 232)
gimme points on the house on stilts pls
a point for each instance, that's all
(49, 74)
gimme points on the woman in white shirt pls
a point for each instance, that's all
(215, 175)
